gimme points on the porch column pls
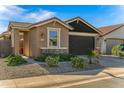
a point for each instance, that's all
(26, 44)
(16, 41)
(103, 46)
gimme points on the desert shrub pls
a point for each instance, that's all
(14, 60)
(66, 57)
(115, 50)
(92, 53)
(62, 57)
(8, 57)
(77, 62)
(41, 58)
(52, 61)
(121, 54)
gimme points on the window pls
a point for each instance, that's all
(53, 37)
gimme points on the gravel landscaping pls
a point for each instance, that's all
(66, 67)
(36, 69)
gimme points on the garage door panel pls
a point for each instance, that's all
(80, 44)
(110, 43)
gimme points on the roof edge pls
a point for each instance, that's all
(54, 19)
(85, 22)
(113, 30)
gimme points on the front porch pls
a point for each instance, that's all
(20, 42)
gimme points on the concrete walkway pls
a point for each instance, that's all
(64, 80)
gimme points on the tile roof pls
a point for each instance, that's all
(107, 29)
(51, 19)
(20, 24)
(25, 25)
(5, 33)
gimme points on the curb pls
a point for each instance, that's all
(62, 83)
(89, 81)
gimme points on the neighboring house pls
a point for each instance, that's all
(111, 36)
(53, 35)
(5, 44)
(5, 35)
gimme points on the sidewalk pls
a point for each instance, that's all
(65, 80)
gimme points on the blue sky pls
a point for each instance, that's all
(97, 15)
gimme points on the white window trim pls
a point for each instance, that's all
(58, 37)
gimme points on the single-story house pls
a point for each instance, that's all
(111, 35)
(5, 35)
(74, 36)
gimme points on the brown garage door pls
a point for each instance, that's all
(80, 45)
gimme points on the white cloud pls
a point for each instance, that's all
(9, 12)
(40, 15)
(11, 9)
(16, 13)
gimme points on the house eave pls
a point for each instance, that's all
(20, 28)
(82, 34)
(83, 21)
(48, 21)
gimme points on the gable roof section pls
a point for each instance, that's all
(30, 25)
(50, 20)
(108, 29)
(5, 33)
(83, 21)
(19, 24)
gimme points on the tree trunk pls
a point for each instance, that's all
(90, 60)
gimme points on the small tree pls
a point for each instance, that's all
(115, 50)
(92, 54)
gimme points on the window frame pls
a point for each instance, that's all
(51, 29)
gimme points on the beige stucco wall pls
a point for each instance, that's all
(36, 44)
(16, 41)
(33, 42)
(63, 34)
(26, 43)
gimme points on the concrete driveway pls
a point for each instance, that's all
(109, 61)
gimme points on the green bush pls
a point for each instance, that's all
(92, 53)
(77, 62)
(8, 58)
(66, 57)
(121, 54)
(41, 58)
(62, 57)
(116, 49)
(14, 60)
(52, 61)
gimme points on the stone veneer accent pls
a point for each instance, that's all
(54, 51)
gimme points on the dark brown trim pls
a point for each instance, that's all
(85, 22)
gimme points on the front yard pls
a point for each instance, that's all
(33, 68)
(27, 70)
